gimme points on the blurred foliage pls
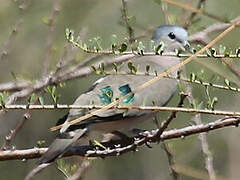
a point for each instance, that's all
(23, 37)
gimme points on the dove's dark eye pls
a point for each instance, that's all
(171, 35)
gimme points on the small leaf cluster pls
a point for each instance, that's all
(53, 93)
(3, 97)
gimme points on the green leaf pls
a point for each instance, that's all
(160, 48)
(97, 43)
(41, 100)
(41, 143)
(14, 75)
(194, 50)
(53, 90)
(69, 34)
(123, 48)
(209, 54)
(238, 52)
(227, 54)
(115, 67)
(32, 98)
(222, 49)
(66, 168)
(132, 68)
(141, 47)
(147, 69)
(114, 41)
(102, 68)
(213, 52)
(78, 40)
(196, 104)
(94, 69)
(151, 45)
(227, 82)
(193, 77)
(132, 20)
(46, 20)
(90, 44)
(2, 99)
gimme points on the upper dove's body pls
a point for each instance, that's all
(112, 87)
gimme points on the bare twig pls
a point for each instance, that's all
(193, 14)
(199, 11)
(13, 132)
(165, 123)
(194, 173)
(51, 25)
(126, 19)
(24, 4)
(37, 170)
(164, 7)
(206, 151)
(14, 86)
(163, 126)
(5, 48)
(202, 36)
(203, 139)
(171, 163)
(85, 165)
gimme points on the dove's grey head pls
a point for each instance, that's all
(173, 37)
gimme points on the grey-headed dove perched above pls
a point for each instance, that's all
(111, 87)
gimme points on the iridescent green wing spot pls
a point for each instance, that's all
(125, 89)
(107, 95)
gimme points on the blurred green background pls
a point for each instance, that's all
(27, 49)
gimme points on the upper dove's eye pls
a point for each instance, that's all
(171, 35)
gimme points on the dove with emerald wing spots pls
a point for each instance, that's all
(112, 87)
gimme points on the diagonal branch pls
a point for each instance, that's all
(155, 79)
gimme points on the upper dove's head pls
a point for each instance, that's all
(173, 37)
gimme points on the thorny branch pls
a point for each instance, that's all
(15, 86)
(117, 147)
(26, 88)
(158, 77)
(145, 108)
